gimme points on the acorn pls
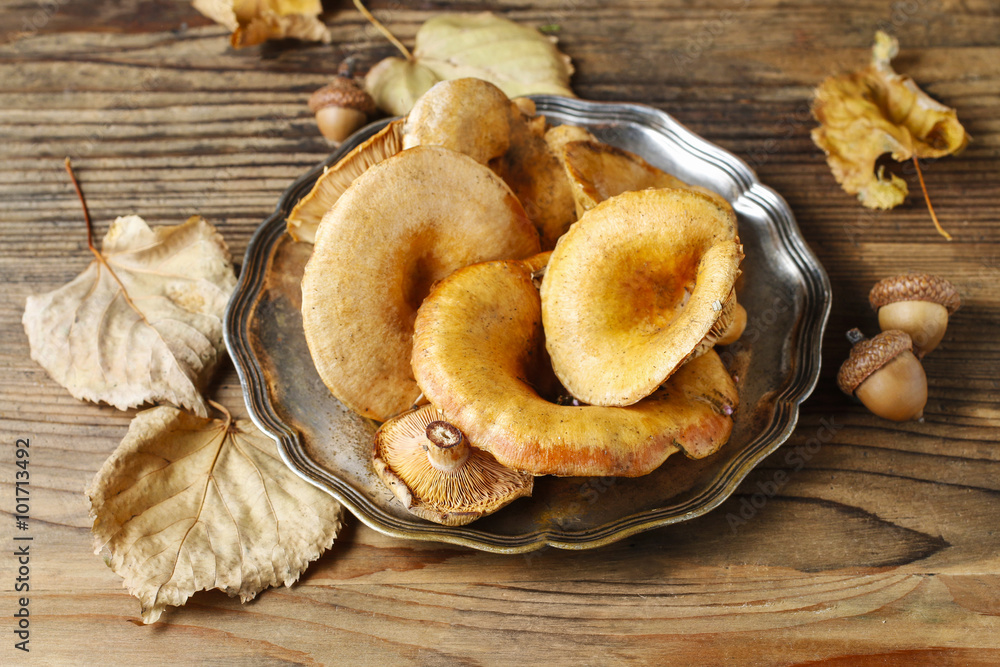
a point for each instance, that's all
(884, 373)
(341, 107)
(917, 303)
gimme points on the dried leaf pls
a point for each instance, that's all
(517, 59)
(256, 21)
(188, 503)
(142, 325)
(866, 114)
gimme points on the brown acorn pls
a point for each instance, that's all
(341, 107)
(886, 376)
(917, 303)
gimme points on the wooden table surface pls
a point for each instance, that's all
(882, 549)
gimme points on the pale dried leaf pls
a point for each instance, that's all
(517, 59)
(188, 503)
(864, 115)
(255, 21)
(160, 338)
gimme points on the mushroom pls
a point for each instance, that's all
(536, 175)
(470, 116)
(479, 356)
(917, 303)
(735, 325)
(402, 225)
(475, 117)
(886, 376)
(434, 472)
(598, 171)
(634, 288)
(557, 137)
(305, 217)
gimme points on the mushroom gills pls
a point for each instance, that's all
(436, 474)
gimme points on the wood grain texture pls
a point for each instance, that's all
(858, 542)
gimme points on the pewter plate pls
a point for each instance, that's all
(784, 289)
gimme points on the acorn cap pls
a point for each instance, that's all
(342, 92)
(915, 287)
(870, 354)
(435, 473)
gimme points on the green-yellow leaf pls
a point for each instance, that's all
(189, 503)
(518, 59)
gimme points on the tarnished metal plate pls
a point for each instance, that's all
(784, 289)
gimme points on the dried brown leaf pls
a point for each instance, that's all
(142, 325)
(865, 114)
(189, 503)
(256, 21)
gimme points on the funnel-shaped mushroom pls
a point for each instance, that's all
(479, 356)
(304, 218)
(402, 225)
(632, 290)
(598, 171)
(430, 467)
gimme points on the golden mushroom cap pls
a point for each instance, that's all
(476, 486)
(598, 171)
(305, 217)
(467, 115)
(402, 225)
(479, 356)
(634, 288)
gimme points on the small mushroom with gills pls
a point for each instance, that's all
(917, 303)
(434, 472)
(884, 374)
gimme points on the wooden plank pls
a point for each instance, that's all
(859, 542)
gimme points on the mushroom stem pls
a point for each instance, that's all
(854, 336)
(448, 448)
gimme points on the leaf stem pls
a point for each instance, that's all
(382, 29)
(101, 261)
(923, 186)
(86, 211)
(221, 408)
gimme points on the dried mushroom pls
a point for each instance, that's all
(479, 355)
(634, 288)
(402, 225)
(434, 472)
(304, 218)
(598, 171)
